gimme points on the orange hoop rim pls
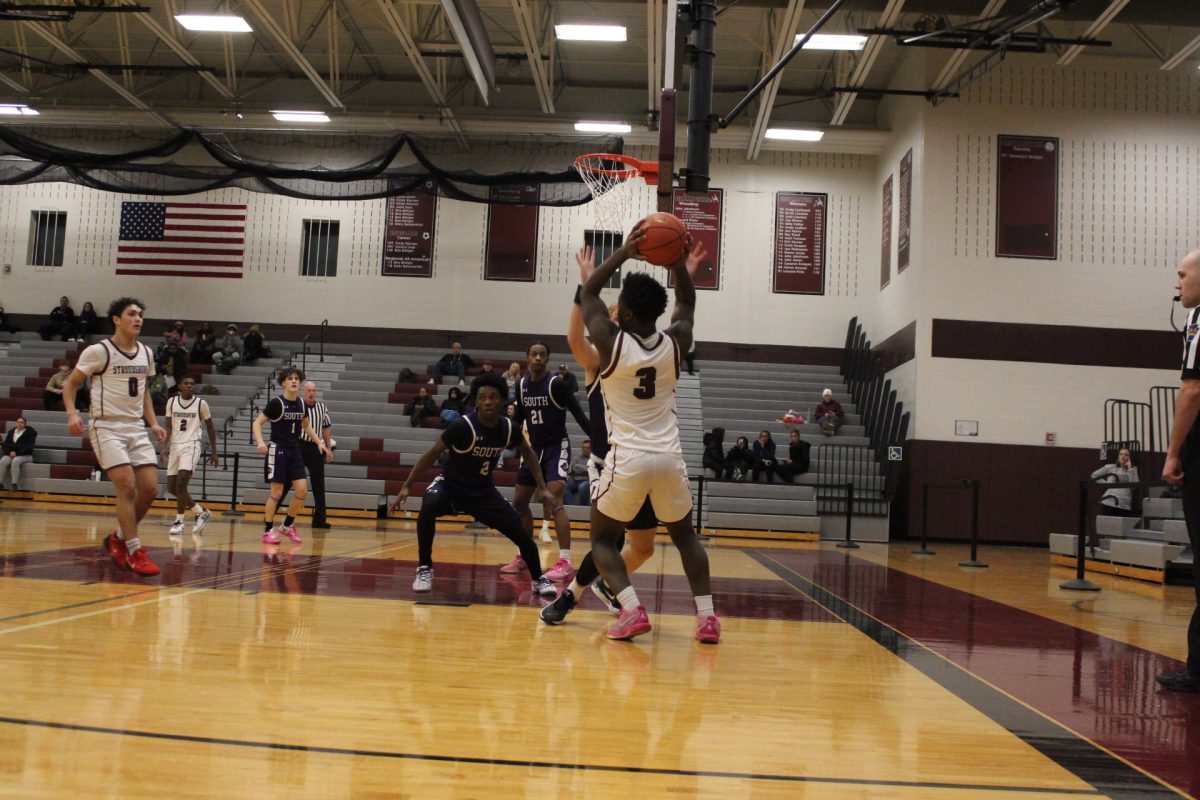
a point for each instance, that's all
(648, 170)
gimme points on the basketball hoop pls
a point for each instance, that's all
(611, 178)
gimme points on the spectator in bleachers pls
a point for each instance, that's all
(829, 414)
(576, 490)
(739, 460)
(453, 407)
(764, 456)
(204, 344)
(172, 362)
(714, 452)
(52, 396)
(254, 346)
(5, 325)
(89, 322)
(513, 378)
(456, 361)
(420, 407)
(566, 376)
(228, 353)
(797, 462)
(1118, 502)
(61, 322)
(18, 451)
(510, 411)
(175, 334)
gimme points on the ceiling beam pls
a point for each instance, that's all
(267, 21)
(26, 73)
(1101, 22)
(400, 30)
(334, 48)
(841, 108)
(530, 38)
(184, 54)
(1177, 59)
(955, 62)
(14, 85)
(360, 41)
(785, 39)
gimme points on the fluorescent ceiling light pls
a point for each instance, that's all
(591, 33)
(14, 110)
(794, 134)
(834, 41)
(221, 23)
(300, 116)
(602, 127)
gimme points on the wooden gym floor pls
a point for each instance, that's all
(311, 671)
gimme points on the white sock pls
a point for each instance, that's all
(132, 544)
(179, 517)
(565, 555)
(704, 605)
(575, 589)
(197, 509)
(120, 534)
(628, 599)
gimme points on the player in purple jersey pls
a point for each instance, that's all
(474, 444)
(543, 400)
(284, 465)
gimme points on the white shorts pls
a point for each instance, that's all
(184, 457)
(631, 475)
(118, 443)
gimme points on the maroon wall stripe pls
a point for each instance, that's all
(1056, 344)
(897, 349)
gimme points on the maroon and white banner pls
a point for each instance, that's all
(511, 253)
(702, 215)
(1027, 197)
(799, 266)
(885, 246)
(188, 240)
(904, 231)
(408, 227)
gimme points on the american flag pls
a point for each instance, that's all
(193, 240)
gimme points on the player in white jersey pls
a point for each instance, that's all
(186, 413)
(118, 371)
(644, 456)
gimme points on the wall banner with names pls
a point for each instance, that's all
(511, 253)
(1027, 197)
(701, 214)
(408, 227)
(885, 247)
(799, 266)
(904, 232)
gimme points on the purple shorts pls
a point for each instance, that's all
(555, 461)
(283, 465)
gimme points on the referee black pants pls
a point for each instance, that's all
(1191, 512)
(314, 462)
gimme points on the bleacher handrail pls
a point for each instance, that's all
(324, 330)
(1162, 416)
(884, 420)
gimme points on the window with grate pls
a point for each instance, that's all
(604, 244)
(47, 236)
(318, 258)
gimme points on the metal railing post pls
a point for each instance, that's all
(233, 512)
(924, 550)
(848, 543)
(974, 560)
(1079, 582)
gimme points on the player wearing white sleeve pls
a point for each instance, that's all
(186, 414)
(119, 370)
(641, 368)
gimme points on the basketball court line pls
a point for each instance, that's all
(526, 764)
(1091, 762)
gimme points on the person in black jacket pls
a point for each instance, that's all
(739, 460)
(61, 322)
(18, 451)
(420, 407)
(797, 461)
(714, 452)
(453, 407)
(764, 456)
(89, 323)
(455, 361)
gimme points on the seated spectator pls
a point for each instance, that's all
(739, 460)
(764, 456)
(61, 322)
(714, 452)
(456, 361)
(453, 407)
(829, 414)
(577, 491)
(510, 411)
(1118, 502)
(5, 325)
(204, 345)
(17, 452)
(566, 376)
(420, 407)
(513, 378)
(159, 389)
(52, 396)
(175, 334)
(89, 323)
(254, 346)
(797, 462)
(172, 363)
(228, 353)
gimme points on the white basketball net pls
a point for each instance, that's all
(613, 186)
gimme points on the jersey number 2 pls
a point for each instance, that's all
(645, 388)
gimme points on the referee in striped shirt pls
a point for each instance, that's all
(318, 418)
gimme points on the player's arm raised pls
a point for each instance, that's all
(427, 460)
(585, 354)
(683, 316)
(595, 314)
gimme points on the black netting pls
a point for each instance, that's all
(302, 165)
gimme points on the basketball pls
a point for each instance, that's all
(664, 241)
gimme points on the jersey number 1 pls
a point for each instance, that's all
(645, 388)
